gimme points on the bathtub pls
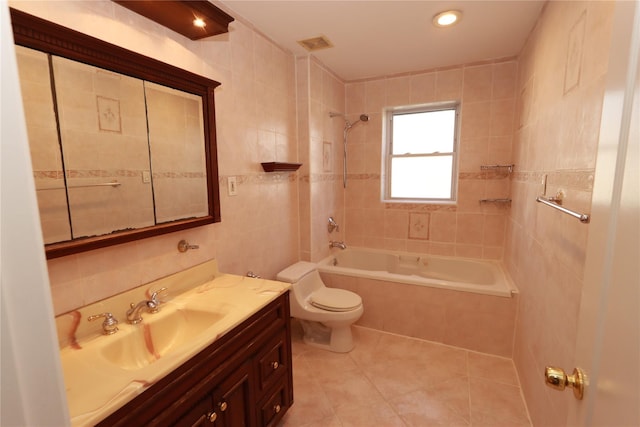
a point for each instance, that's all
(459, 274)
(466, 303)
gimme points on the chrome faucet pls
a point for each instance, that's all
(152, 306)
(332, 225)
(340, 245)
(110, 324)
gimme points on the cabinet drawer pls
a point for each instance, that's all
(274, 406)
(272, 362)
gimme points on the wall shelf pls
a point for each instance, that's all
(497, 167)
(179, 16)
(498, 201)
(280, 166)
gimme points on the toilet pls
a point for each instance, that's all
(326, 314)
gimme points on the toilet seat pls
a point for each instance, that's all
(333, 299)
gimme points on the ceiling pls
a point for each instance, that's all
(386, 37)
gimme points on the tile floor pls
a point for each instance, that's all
(390, 380)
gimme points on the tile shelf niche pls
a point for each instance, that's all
(280, 166)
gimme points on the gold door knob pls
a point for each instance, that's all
(275, 365)
(212, 417)
(557, 379)
(277, 409)
(223, 406)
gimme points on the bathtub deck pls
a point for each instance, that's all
(390, 380)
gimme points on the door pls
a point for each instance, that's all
(608, 345)
(233, 397)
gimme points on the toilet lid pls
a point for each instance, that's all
(332, 299)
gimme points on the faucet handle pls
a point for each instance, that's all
(154, 296)
(154, 304)
(110, 324)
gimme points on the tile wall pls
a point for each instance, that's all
(560, 86)
(321, 146)
(256, 122)
(487, 95)
(468, 320)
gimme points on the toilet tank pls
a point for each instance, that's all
(304, 279)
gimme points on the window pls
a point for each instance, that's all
(421, 158)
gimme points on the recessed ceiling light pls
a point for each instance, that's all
(447, 18)
(199, 22)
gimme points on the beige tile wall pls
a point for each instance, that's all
(483, 323)
(561, 86)
(321, 193)
(487, 93)
(256, 122)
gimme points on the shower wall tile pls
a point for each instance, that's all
(423, 88)
(478, 82)
(488, 95)
(449, 84)
(321, 183)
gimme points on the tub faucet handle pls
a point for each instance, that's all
(333, 225)
(340, 245)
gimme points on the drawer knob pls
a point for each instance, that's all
(277, 408)
(223, 406)
(212, 417)
(275, 365)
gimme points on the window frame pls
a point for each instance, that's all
(389, 114)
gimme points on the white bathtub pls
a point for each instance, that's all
(459, 274)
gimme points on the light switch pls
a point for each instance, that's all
(146, 177)
(232, 186)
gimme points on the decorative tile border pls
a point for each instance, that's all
(581, 180)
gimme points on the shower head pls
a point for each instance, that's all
(347, 123)
(362, 118)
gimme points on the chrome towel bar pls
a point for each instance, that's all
(584, 218)
(104, 184)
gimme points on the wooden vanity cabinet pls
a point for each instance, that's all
(243, 379)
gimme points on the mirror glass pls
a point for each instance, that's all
(177, 158)
(46, 157)
(103, 135)
(121, 150)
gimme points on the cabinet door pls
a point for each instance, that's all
(232, 399)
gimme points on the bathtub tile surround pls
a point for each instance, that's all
(470, 229)
(390, 380)
(476, 322)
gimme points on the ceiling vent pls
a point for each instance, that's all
(315, 43)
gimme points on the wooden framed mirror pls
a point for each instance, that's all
(128, 98)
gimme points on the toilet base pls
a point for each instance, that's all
(338, 339)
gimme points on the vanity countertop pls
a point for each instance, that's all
(104, 372)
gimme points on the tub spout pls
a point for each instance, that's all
(340, 245)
